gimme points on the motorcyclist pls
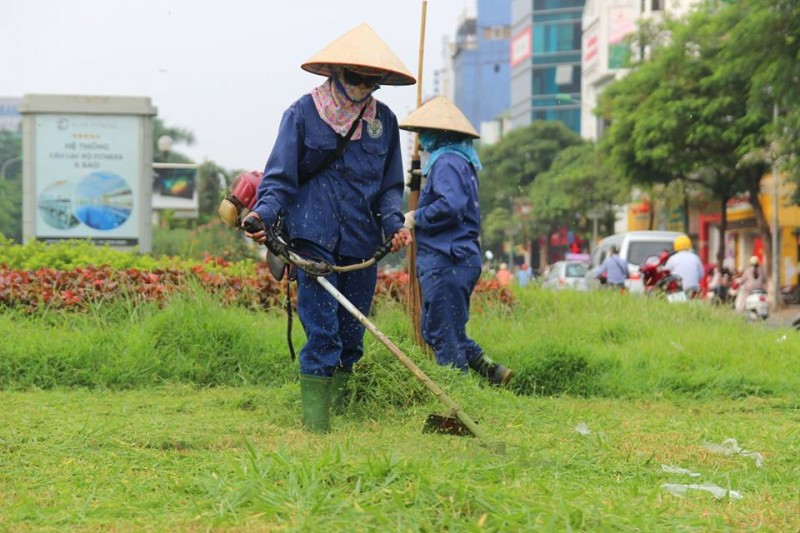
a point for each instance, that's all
(752, 279)
(685, 264)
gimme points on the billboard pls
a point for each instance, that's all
(175, 188)
(521, 47)
(87, 178)
(176, 182)
(621, 23)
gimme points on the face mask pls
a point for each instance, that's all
(428, 141)
(355, 93)
(356, 86)
(423, 159)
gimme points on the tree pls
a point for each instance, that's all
(512, 164)
(178, 136)
(576, 187)
(211, 182)
(11, 185)
(764, 42)
(683, 115)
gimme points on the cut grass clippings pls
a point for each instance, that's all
(182, 459)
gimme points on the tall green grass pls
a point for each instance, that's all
(596, 344)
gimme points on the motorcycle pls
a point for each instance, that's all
(658, 280)
(790, 294)
(756, 306)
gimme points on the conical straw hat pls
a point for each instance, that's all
(361, 47)
(439, 113)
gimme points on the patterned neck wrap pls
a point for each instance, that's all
(338, 103)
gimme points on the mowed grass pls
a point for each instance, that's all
(185, 418)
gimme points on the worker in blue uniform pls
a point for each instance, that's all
(447, 225)
(337, 205)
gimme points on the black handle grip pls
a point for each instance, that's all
(384, 249)
(252, 225)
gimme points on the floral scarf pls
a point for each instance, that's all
(337, 110)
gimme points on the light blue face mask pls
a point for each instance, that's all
(438, 143)
(427, 141)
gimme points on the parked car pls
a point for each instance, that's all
(566, 275)
(634, 247)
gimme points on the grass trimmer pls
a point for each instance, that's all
(456, 422)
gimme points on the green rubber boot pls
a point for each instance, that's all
(339, 391)
(315, 393)
(496, 373)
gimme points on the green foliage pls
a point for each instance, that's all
(68, 255)
(11, 185)
(764, 43)
(510, 167)
(518, 158)
(213, 238)
(688, 112)
(178, 136)
(553, 194)
(211, 183)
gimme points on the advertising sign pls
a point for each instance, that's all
(176, 182)
(175, 189)
(521, 47)
(621, 23)
(87, 178)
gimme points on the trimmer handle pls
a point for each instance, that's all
(252, 225)
(384, 249)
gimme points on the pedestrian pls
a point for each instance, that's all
(503, 275)
(447, 225)
(719, 284)
(685, 264)
(752, 279)
(614, 269)
(335, 181)
(524, 275)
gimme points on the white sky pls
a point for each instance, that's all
(225, 70)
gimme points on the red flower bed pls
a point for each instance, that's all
(79, 288)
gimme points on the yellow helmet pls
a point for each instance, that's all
(682, 242)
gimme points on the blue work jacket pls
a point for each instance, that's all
(352, 205)
(448, 217)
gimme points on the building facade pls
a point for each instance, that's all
(606, 52)
(481, 86)
(546, 62)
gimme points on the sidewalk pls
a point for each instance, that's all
(784, 316)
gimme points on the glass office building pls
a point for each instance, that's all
(546, 62)
(480, 62)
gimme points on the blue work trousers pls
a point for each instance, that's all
(446, 294)
(335, 338)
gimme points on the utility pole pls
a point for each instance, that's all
(776, 289)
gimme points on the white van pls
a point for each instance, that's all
(634, 247)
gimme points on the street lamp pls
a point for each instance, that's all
(164, 144)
